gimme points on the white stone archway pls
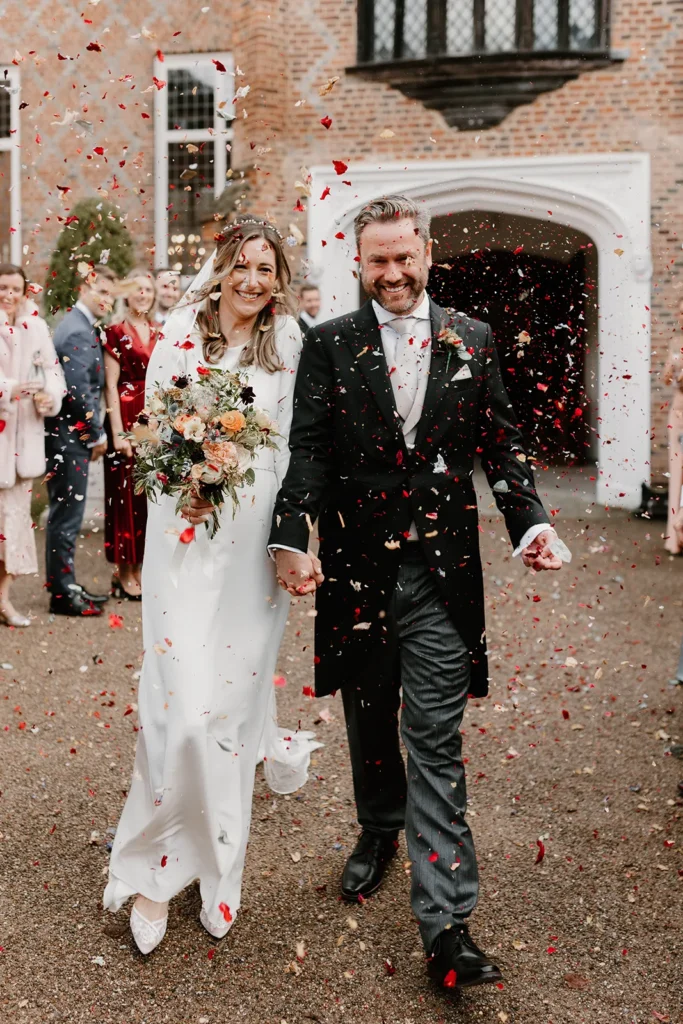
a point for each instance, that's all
(605, 195)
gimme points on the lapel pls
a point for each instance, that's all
(437, 372)
(365, 338)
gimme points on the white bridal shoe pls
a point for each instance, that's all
(147, 934)
(218, 933)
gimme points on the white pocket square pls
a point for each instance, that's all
(463, 374)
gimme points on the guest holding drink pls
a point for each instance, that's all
(31, 388)
(128, 346)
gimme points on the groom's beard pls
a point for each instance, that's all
(399, 304)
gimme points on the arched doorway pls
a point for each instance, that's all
(535, 283)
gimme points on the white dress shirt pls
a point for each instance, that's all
(422, 335)
(310, 321)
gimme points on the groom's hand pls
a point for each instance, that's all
(298, 573)
(538, 555)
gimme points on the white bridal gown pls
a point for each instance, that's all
(212, 627)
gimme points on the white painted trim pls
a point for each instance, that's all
(13, 146)
(605, 195)
(218, 133)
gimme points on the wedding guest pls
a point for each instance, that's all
(309, 306)
(167, 286)
(673, 375)
(31, 387)
(74, 439)
(129, 344)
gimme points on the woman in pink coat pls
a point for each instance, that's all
(31, 388)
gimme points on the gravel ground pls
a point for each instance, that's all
(571, 748)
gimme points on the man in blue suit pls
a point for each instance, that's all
(74, 438)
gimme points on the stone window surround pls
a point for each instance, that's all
(12, 145)
(163, 136)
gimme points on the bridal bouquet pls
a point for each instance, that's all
(199, 438)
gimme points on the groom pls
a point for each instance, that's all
(393, 402)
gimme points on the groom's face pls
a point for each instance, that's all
(394, 264)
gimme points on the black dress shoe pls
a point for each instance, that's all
(457, 962)
(74, 604)
(365, 867)
(87, 596)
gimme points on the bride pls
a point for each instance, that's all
(213, 618)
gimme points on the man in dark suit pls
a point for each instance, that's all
(309, 306)
(392, 404)
(74, 438)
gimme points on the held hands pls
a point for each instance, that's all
(123, 445)
(298, 573)
(538, 555)
(98, 450)
(25, 389)
(42, 402)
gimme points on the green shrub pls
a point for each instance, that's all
(93, 227)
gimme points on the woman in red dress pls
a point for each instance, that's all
(128, 347)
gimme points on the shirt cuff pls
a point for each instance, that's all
(283, 547)
(531, 535)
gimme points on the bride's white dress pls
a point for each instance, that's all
(212, 627)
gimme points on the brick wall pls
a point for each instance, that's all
(287, 50)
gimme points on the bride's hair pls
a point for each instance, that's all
(261, 349)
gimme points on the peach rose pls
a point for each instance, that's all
(220, 453)
(233, 421)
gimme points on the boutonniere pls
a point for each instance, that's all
(453, 343)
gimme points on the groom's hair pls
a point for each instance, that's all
(389, 208)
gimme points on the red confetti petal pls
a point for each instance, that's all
(187, 536)
(326, 122)
(115, 621)
(340, 167)
(451, 979)
(340, 234)
(565, 714)
(541, 851)
(279, 681)
(219, 67)
(225, 911)
(308, 691)
(326, 192)
(433, 857)
(164, 861)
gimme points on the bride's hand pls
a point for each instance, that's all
(197, 511)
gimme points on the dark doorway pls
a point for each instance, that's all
(551, 299)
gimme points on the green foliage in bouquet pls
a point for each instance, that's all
(93, 233)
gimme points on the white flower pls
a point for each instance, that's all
(156, 406)
(262, 419)
(211, 474)
(205, 473)
(244, 457)
(194, 429)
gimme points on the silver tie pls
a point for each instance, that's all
(404, 377)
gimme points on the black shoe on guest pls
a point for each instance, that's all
(365, 867)
(87, 596)
(456, 961)
(74, 604)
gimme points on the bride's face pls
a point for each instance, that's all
(250, 284)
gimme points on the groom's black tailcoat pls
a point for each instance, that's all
(350, 467)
